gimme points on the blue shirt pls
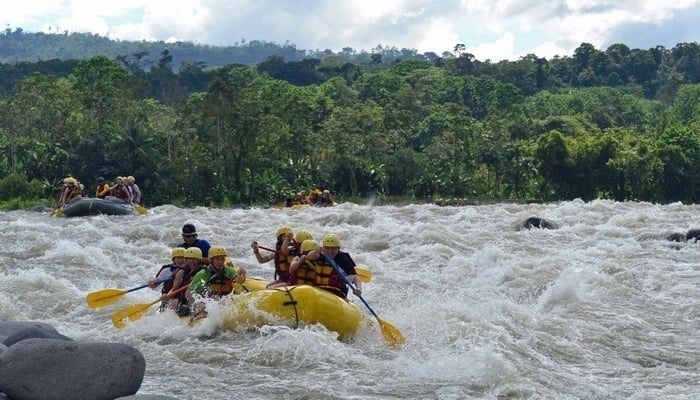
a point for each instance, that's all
(201, 243)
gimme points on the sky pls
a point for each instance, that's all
(489, 29)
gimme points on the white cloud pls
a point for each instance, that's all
(439, 36)
(494, 29)
(503, 48)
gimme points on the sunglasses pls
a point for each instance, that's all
(188, 236)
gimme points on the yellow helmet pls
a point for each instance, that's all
(217, 251)
(308, 245)
(70, 181)
(283, 229)
(177, 252)
(303, 235)
(331, 240)
(193, 252)
(130, 178)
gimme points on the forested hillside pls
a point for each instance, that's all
(20, 46)
(617, 123)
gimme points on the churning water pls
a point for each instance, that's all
(602, 308)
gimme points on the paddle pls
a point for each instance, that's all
(392, 334)
(134, 312)
(105, 297)
(364, 274)
(57, 211)
(140, 209)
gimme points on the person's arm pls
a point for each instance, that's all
(315, 253)
(62, 198)
(137, 194)
(177, 282)
(347, 264)
(261, 258)
(284, 249)
(197, 285)
(237, 273)
(296, 263)
(129, 194)
(357, 283)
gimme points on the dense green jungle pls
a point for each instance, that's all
(615, 123)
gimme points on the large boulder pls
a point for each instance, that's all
(692, 234)
(51, 369)
(8, 328)
(33, 332)
(537, 222)
(676, 237)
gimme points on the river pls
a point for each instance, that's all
(601, 308)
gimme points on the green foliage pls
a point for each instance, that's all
(16, 186)
(555, 165)
(586, 126)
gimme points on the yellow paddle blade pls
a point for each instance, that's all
(104, 297)
(140, 209)
(58, 213)
(392, 334)
(364, 274)
(132, 313)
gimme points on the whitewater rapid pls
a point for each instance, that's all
(602, 307)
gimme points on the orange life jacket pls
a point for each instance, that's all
(325, 276)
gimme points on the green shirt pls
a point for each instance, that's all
(201, 279)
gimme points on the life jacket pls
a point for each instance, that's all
(122, 193)
(219, 284)
(186, 279)
(100, 191)
(306, 274)
(168, 285)
(190, 273)
(282, 262)
(314, 195)
(75, 192)
(326, 277)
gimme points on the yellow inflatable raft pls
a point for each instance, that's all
(292, 306)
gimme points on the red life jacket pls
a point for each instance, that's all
(121, 192)
(326, 277)
(168, 285)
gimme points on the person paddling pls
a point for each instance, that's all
(302, 271)
(215, 281)
(285, 251)
(326, 276)
(70, 192)
(135, 190)
(183, 276)
(120, 192)
(167, 273)
(102, 188)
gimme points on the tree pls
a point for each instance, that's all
(553, 163)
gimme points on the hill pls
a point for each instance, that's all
(20, 46)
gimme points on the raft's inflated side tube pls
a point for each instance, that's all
(95, 206)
